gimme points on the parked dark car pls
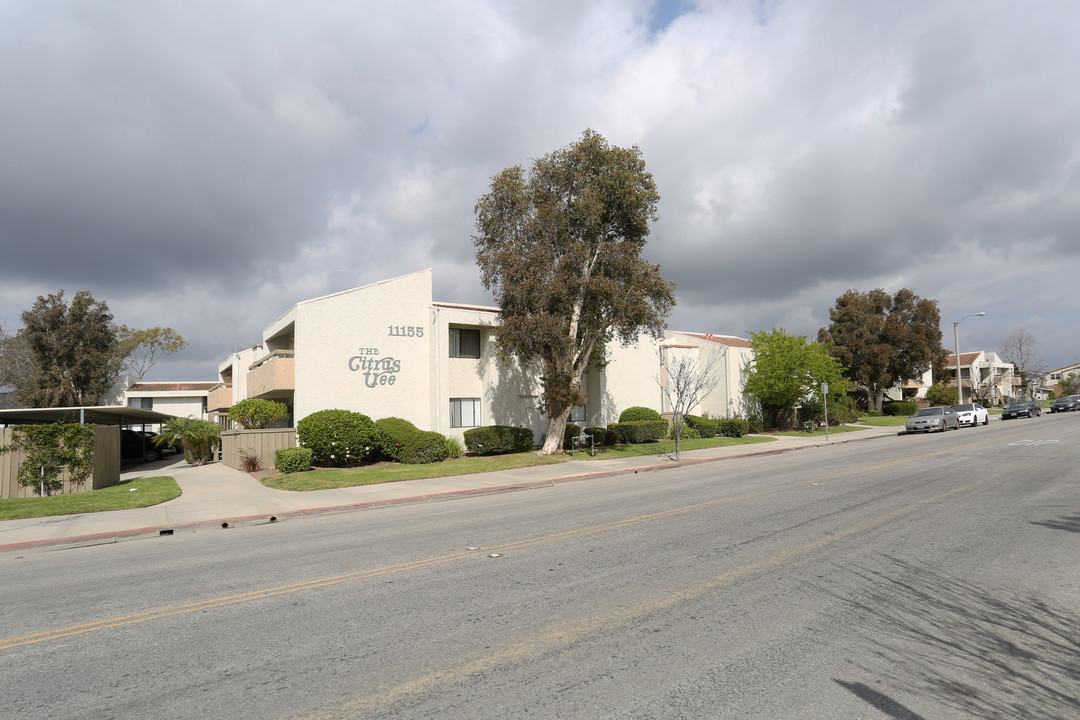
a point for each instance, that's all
(1021, 408)
(1070, 403)
(933, 418)
(135, 445)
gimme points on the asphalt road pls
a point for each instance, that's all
(906, 577)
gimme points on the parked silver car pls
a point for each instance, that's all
(972, 414)
(933, 418)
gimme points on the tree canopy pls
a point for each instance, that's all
(787, 369)
(140, 350)
(560, 249)
(1022, 349)
(883, 340)
(72, 351)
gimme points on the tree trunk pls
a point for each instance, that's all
(556, 429)
(877, 398)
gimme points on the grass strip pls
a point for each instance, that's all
(140, 493)
(329, 478)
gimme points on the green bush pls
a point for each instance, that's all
(843, 411)
(899, 408)
(939, 394)
(600, 436)
(257, 414)
(572, 431)
(641, 431)
(706, 427)
(454, 448)
(339, 438)
(293, 460)
(403, 442)
(733, 427)
(639, 414)
(688, 432)
(498, 439)
(811, 411)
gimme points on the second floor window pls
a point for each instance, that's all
(464, 343)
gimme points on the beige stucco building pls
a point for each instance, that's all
(388, 350)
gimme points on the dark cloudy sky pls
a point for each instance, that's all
(204, 165)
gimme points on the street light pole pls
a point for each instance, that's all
(956, 346)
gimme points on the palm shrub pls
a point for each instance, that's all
(339, 438)
(454, 448)
(199, 438)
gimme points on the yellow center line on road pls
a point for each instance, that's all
(124, 620)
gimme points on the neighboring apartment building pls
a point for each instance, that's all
(182, 399)
(984, 376)
(1054, 377)
(388, 350)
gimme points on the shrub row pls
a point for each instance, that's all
(732, 427)
(498, 439)
(640, 431)
(899, 407)
(405, 443)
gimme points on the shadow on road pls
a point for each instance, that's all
(1065, 522)
(977, 652)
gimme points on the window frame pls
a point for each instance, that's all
(457, 419)
(456, 345)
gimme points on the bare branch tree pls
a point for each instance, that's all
(688, 374)
(1022, 350)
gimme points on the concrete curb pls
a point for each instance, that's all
(108, 538)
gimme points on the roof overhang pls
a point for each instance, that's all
(100, 415)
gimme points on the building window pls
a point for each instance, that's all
(464, 412)
(464, 343)
(577, 415)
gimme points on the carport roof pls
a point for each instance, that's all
(99, 415)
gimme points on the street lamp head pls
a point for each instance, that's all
(979, 314)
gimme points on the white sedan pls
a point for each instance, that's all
(972, 414)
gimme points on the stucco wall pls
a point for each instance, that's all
(365, 349)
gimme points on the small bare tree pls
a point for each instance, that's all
(688, 374)
(1022, 350)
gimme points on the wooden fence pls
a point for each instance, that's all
(262, 443)
(106, 470)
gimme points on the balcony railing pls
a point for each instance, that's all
(272, 376)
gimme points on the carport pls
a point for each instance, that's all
(107, 419)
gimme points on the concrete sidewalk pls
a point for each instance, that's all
(216, 496)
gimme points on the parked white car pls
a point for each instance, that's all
(972, 414)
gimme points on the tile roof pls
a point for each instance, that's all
(729, 340)
(965, 359)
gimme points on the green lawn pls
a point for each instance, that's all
(131, 494)
(883, 420)
(820, 431)
(327, 478)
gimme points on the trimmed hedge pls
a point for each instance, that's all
(706, 427)
(403, 442)
(498, 439)
(731, 427)
(572, 431)
(639, 414)
(641, 431)
(602, 436)
(899, 408)
(293, 460)
(339, 438)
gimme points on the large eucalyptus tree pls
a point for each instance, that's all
(560, 248)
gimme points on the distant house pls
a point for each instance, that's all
(985, 377)
(1054, 377)
(182, 399)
